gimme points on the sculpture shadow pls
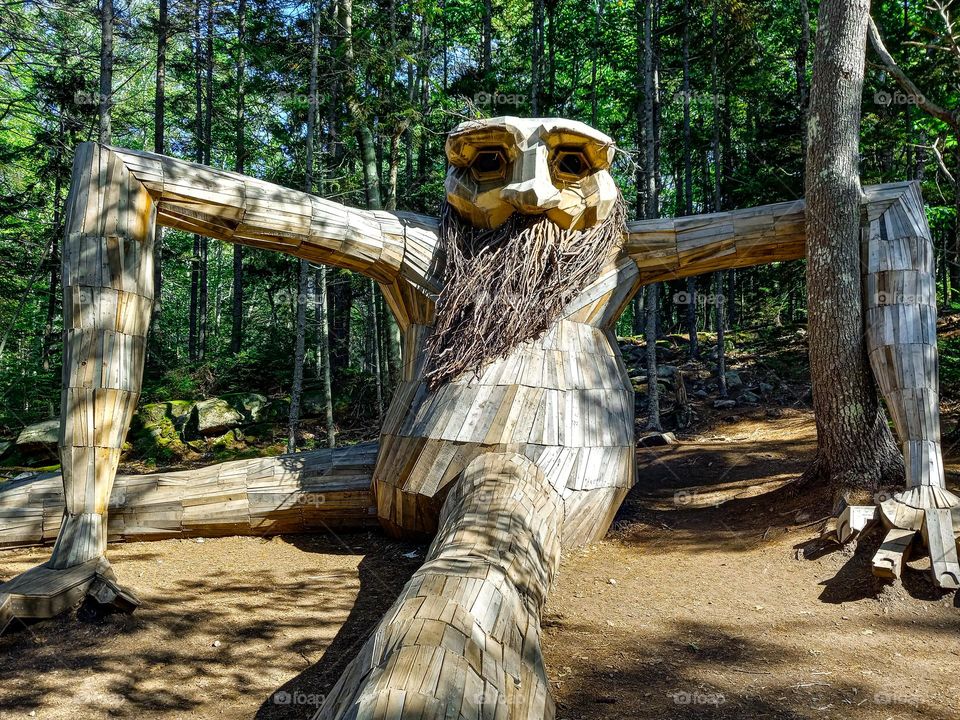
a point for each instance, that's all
(381, 578)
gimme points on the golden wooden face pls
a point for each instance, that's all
(532, 166)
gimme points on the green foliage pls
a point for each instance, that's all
(416, 72)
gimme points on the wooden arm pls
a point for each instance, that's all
(240, 209)
(674, 248)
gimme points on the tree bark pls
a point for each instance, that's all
(486, 60)
(688, 179)
(717, 279)
(651, 90)
(800, 62)
(856, 451)
(106, 69)
(536, 52)
(198, 135)
(236, 314)
(374, 329)
(303, 290)
(204, 304)
(159, 145)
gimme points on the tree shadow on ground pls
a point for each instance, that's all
(233, 634)
(696, 670)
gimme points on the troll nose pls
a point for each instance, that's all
(533, 191)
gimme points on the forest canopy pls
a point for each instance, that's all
(228, 83)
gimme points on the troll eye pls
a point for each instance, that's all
(570, 164)
(489, 164)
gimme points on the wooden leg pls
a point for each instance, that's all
(107, 298)
(463, 638)
(901, 322)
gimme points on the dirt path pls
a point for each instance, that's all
(711, 598)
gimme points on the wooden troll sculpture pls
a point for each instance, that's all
(511, 433)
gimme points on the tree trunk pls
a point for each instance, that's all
(236, 314)
(324, 355)
(688, 179)
(198, 142)
(652, 211)
(717, 279)
(855, 448)
(374, 330)
(56, 232)
(536, 53)
(595, 41)
(303, 290)
(721, 339)
(106, 69)
(204, 305)
(800, 62)
(486, 59)
(159, 146)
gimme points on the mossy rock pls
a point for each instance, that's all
(35, 446)
(277, 410)
(154, 434)
(229, 446)
(39, 436)
(251, 405)
(212, 417)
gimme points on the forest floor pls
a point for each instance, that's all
(713, 596)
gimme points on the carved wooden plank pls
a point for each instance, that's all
(893, 553)
(853, 519)
(938, 535)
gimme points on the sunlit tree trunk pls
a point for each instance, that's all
(855, 447)
(236, 314)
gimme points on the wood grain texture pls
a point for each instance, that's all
(463, 638)
(307, 492)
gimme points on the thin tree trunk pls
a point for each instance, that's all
(236, 314)
(717, 280)
(106, 69)
(375, 330)
(204, 305)
(855, 448)
(393, 170)
(303, 290)
(688, 179)
(800, 62)
(198, 135)
(594, 53)
(486, 59)
(159, 147)
(324, 353)
(721, 332)
(535, 57)
(54, 252)
(652, 211)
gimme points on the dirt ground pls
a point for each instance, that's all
(712, 597)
